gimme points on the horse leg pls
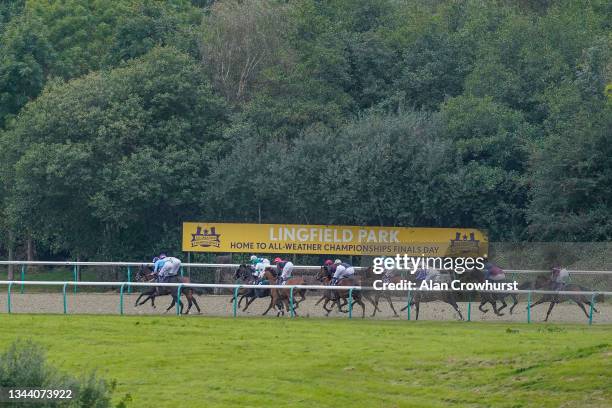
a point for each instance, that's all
(248, 303)
(515, 302)
(482, 303)
(171, 304)
(360, 303)
(138, 298)
(189, 296)
(325, 307)
(320, 300)
(391, 304)
(537, 303)
(588, 302)
(504, 304)
(344, 303)
(375, 304)
(550, 308)
(270, 306)
(455, 306)
(495, 309)
(579, 303)
(195, 302)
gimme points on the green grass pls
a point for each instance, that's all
(219, 362)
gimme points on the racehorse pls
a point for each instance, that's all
(151, 294)
(325, 277)
(243, 273)
(383, 293)
(544, 282)
(494, 297)
(281, 297)
(432, 296)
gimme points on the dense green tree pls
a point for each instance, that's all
(112, 162)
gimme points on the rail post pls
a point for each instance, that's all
(235, 305)
(591, 309)
(178, 300)
(291, 301)
(350, 303)
(529, 307)
(469, 314)
(8, 300)
(408, 301)
(129, 278)
(65, 300)
(121, 299)
(75, 272)
(22, 277)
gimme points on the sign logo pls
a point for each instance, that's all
(462, 244)
(205, 238)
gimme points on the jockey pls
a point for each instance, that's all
(494, 272)
(284, 269)
(260, 267)
(421, 274)
(158, 264)
(170, 268)
(559, 277)
(253, 266)
(343, 270)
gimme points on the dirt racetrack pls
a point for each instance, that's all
(221, 305)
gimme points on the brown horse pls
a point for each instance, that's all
(382, 293)
(432, 296)
(244, 275)
(151, 294)
(281, 297)
(325, 277)
(545, 283)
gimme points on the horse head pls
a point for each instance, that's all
(270, 274)
(324, 273)
(242, 272)
(142, 273)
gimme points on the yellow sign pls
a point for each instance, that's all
(331, 239)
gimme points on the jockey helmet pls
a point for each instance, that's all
(328, 262)
(162, 255)
(253, 258)
(277, 260)
(337, 262)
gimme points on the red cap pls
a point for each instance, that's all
(277, 260)
(328, 262)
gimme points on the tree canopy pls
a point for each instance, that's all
(121, 119)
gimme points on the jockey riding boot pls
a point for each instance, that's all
(334, 281)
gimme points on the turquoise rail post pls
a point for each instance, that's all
(121, 299)
(22, 277)
(469, 317)
(235, 305)
(408, 301)
(291, 301)
(350, 303)
(178, 300)
(75, 272)
(65, 300)
(529, 307)
(8, 300)
(591, 309)
(129, 278)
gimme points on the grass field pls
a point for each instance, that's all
(219, 362)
